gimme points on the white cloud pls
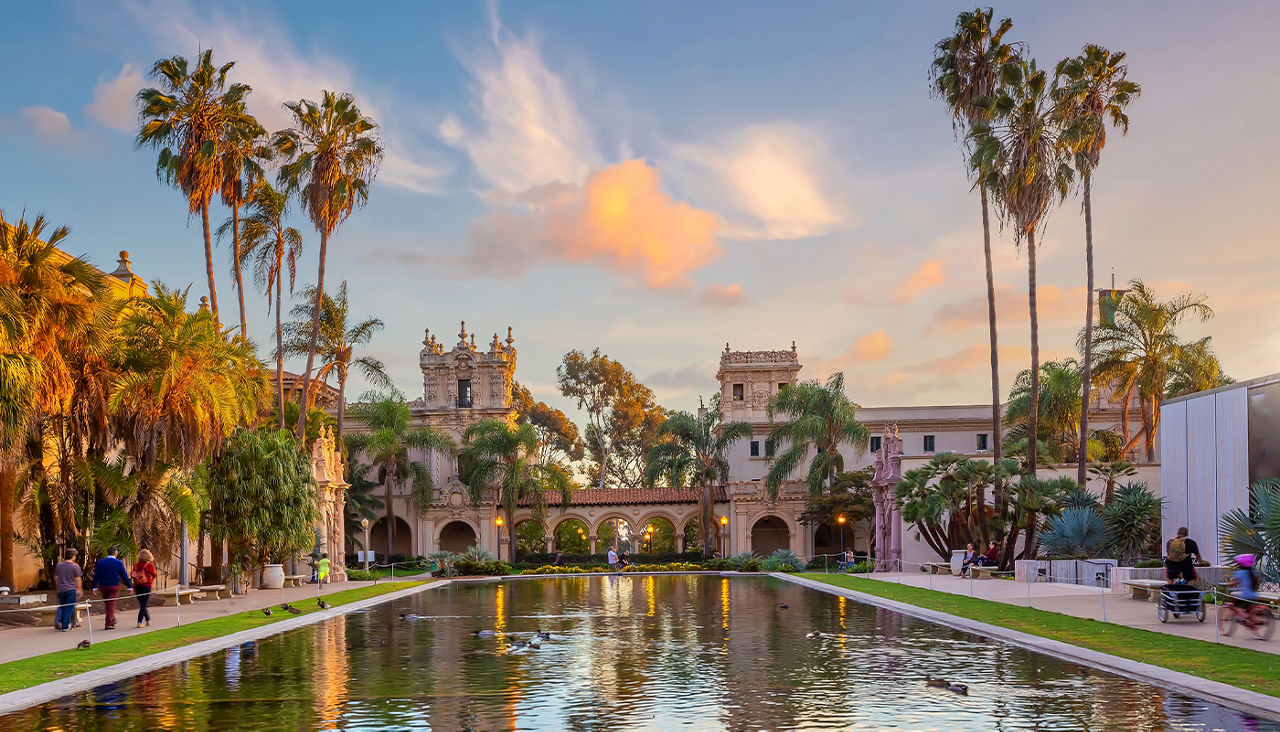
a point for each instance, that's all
(48, 124)
(113, 102)
(775, 181)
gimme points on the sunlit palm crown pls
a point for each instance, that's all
(1091, 90)
(819, 417)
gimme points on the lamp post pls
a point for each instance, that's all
(840, 520)
(648, 539)
(498, 522)
(724, 535)
(364, 524)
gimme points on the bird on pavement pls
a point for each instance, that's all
(83, 644)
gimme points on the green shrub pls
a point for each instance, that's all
(359, 575)
(786, 560)
(1149, 564)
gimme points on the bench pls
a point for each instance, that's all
(215, 592)
(296, 580)
(1144, 589)
(982, 572)
(182, 595)
(936, 567)
(52, 611)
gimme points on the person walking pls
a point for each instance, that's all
(108, 575)
(69, 581)
(613, 559)
(144, 576)
(322, 569)
(1178, 557)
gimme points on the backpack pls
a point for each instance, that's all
(140, 576)
(1177, 549)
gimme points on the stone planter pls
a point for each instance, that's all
(1090, 572)
(273, 577)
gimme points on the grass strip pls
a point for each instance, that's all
(28, 672)
(1241, 667)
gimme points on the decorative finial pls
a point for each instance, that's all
(204, 303)
(495, 345)
(510, 339)
(473, 341)
(726, 346)
(793, 347)
(426, 338)
(462, 330)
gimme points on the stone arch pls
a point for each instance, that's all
(664, 539)
(770, 532)
(457, 536)
(531, 537)
(603, 532)
(566, 538)
(401, 541)
(691, 530)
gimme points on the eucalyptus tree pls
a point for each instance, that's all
(503, 457)
(386, 447)
(1019, 157)
(332, 154)
(695, 449)
(1091, 90)
(243, 148)
(971, 65)
(1137, 350)
(188, 117)
(819, 418)
(272, 250)
(336, 346)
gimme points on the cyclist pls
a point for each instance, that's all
(1246, 579)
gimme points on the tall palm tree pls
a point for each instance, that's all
(1091, 90)
(243, 148)
(49, 307)
(504, 457)
(272, 249)
(696, 447)
(188, 117)
(820, 417)
(333, 154)
(1136, 352)
(1059, 407)
(336, 344)
(386, 447)
(1020, 159)
(970, 65)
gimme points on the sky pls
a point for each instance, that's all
(659, 179)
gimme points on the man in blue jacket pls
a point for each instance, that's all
(108, 574)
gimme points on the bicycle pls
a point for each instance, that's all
(1257, 619)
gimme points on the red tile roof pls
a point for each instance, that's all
(632, 496)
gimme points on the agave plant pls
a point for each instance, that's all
(784, 560)
(1133, 520)
(1256, 531)
(1076, 531)
(1077, 497)
(477, 555)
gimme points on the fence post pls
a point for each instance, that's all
(1029, 587)
(931, 578)
(1103, 587)
(88, 616)
(177, 603)
(899, 570)
(971, 582)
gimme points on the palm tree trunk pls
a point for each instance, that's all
(311, 349)
(1086, 374)
(208, 260)
(235, 243)
(511, 535)
(1153, 425)
(1124, 420)
(1034, 407)
(342, 401)
(708, 526)
(997, 433)
(391, 516)
(8, 483)
(280, 350)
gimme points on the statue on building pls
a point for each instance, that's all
(888, 473)
(327, 469)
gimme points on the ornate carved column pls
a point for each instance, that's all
(888, 533)
(331, 500)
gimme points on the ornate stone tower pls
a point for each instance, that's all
(466, 382)
(749, 378)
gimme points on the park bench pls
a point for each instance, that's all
(1144, 589)
(296, 580)
(936, 567)
(181, 595)
(982, 572)
(51, 611)
(215, 592)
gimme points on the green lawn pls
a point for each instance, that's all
(1248, 669)
(28, 672)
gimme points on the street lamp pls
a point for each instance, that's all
(364, 524)
(648, 537)
(840, 520)
(724, 535)
(498, 521)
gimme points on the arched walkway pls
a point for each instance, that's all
(401, 539)
(457, 537)
(572, 537)
(531, 538)
(769, 534)
(826, 540)
(692, 535)
(616, 532)
(657, 535)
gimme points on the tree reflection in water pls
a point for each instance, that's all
(626, 652)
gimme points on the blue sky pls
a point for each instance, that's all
(659, 178)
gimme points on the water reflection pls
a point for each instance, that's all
(640, 653)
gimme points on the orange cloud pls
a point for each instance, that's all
(872, 346)
(1053, 304)
(722, 296)
(619, 219)
(929, 275)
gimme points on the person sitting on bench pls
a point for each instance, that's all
(971, 558)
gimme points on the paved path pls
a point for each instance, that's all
(27, 641)
(1083, 602)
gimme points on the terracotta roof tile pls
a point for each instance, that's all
(632, 496)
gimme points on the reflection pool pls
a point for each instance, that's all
(695, 652)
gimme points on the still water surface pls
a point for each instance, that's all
(635, 653)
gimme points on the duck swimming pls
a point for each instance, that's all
(484, 633)
(542, 635)
(953, 686)
(412, 616)
(817, 634)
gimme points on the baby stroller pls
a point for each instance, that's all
(1178, 600)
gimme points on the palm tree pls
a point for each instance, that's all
(820, 417)
(505, 457)
(188, 118)
(333, 155)
(1111, 472)
(696, 447)
(337, 343)
(1136, 351)
(1197, 369)
(272, 249)
(243, 146)
(361, 503)
(386, 447)
(1058, 410)
(1090, 90)
(1020, 159)
(970, 65)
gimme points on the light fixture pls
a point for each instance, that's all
(498, 521)
(724, 520)
(840, 519)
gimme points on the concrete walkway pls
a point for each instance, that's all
(1083, 602)
(27, 641)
